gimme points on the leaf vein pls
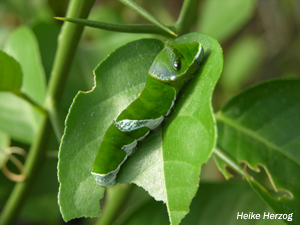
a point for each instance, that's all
(242, 129)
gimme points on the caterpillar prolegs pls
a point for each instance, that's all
(171, 69)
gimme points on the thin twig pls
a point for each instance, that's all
(126, 28)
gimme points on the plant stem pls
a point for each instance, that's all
(52, 113)
(40, 109)
(68, 41)
(229, 161)
(34, 162)
(126, 28)
(54, 118)
(187, 16)
(116, 197)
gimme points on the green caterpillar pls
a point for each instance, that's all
(171, 69)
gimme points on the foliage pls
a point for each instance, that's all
(255, 133)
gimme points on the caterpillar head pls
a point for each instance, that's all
(175, 64)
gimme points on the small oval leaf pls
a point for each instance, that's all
(23, 46)
(10, 74)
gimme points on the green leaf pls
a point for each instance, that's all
(120, 77)
(10, 74)
(222, 19)
(23, 46)
(214, 204)
(220, 203)
(261, 127)
(167, 164)
(18, 118)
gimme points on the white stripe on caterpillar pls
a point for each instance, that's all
(128, 148)
(130, 125)
(109, 179)
(170, 109)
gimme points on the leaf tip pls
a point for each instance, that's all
(174, 34)
(60, 18)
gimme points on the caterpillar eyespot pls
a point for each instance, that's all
(170, 70)
(177, 65)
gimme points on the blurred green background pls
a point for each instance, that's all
(260, 41)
